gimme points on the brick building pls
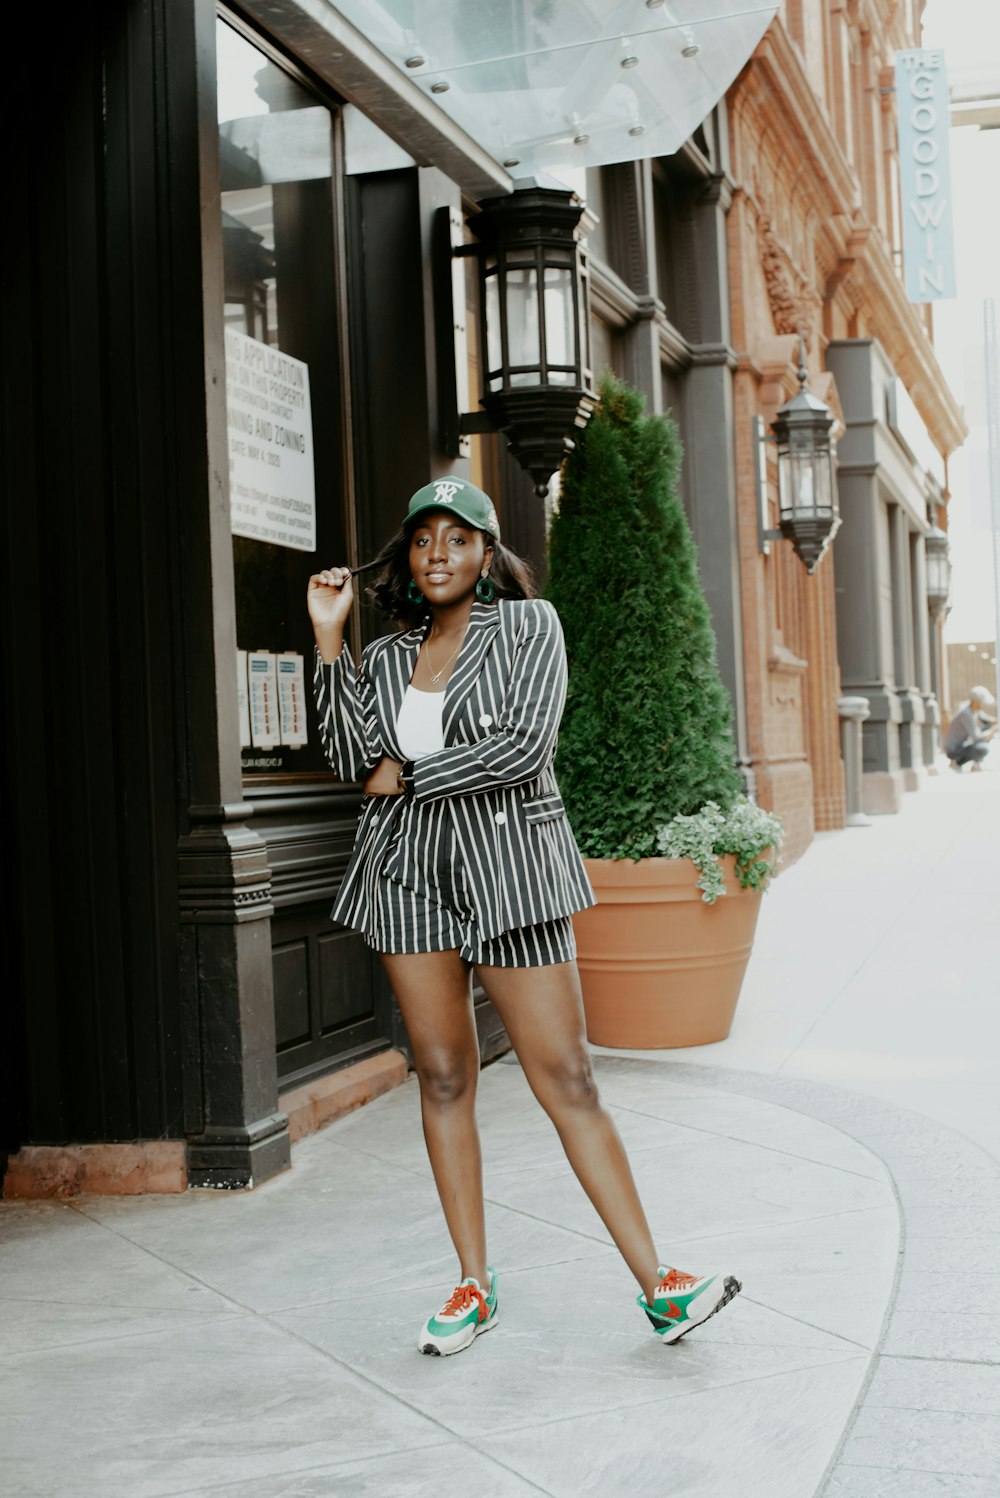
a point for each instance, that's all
(814, 244)
(779, 219)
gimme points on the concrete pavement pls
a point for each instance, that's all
(877, 961)
(838, 1152)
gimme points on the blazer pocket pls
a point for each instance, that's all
(544, 808)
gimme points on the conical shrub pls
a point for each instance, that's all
(646, 733)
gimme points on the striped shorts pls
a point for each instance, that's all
(439, 918)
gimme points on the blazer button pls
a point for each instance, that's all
(500, 817)
(485, 720)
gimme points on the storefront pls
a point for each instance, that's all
(244, 343)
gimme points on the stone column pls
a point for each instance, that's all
(905, 650)
(853, 712)
(924, 630)
(711, 449)
(863, 553)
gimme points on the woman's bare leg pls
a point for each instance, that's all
(435, 995)
(543, 1013)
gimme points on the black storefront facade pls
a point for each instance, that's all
(200, 176)
(174, 967)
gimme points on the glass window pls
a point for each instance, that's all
(523, 338)
(280, 217)
(560, 317)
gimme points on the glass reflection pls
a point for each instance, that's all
(523, 335)
(272, 133)
(559, 320)
(494, 349)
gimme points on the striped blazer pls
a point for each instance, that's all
(493, 778)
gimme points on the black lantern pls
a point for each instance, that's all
(938, 554)
(537, 383)
(808, 513)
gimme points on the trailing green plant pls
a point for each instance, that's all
(646, 733)
(709, 834)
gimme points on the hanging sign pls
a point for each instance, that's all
(272, 485)
(925, 174)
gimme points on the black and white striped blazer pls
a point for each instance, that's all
(494, 778)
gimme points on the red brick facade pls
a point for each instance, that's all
(813, 251)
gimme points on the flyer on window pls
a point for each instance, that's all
(244, 698)
(272, 485)
(263, 699)
(292, 699)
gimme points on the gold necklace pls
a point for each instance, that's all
(435, 676)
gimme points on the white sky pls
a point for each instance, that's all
(969, 33)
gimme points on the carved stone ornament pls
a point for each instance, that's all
(788, 294)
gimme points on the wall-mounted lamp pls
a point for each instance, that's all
(808, 513)
(537, 382)
(938, 554)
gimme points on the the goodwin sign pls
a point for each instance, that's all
(925, 174)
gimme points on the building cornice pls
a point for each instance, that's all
(789, 106)
(778, 91)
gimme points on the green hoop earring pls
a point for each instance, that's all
(485, 590)
(413, 593)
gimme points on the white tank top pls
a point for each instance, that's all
(420, 724)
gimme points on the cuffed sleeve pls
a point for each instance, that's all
(525, 739)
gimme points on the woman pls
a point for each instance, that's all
(464, 858)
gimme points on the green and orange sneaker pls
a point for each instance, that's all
(467, 1312)
(683, 1301)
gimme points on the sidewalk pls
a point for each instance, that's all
(838, 1152)
(877, 961)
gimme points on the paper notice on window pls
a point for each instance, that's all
(263, 682)
(292, 699)
(272, 485)
(244, 700)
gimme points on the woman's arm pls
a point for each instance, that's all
(526, 731)
(344, 696)
(345, 703)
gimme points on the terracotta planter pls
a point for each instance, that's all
(658, 966)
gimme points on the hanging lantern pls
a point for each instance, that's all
(537, 381)
(808, 513)
(938, 554)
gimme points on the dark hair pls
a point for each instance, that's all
(510, 574)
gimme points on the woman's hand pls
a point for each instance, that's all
(382, 781)
(330, 597)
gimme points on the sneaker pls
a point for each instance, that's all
(466, 1313)
(683, 1301)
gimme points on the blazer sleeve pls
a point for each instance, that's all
(345, 701)
(524, 742)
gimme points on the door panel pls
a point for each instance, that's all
(329, 999)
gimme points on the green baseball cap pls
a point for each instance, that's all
(469, 503)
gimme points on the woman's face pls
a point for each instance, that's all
(447, 557)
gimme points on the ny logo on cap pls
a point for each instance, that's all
(445, 490)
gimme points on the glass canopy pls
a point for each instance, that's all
(544, 84)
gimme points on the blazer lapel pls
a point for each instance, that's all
(483, 625)
(395, 668)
